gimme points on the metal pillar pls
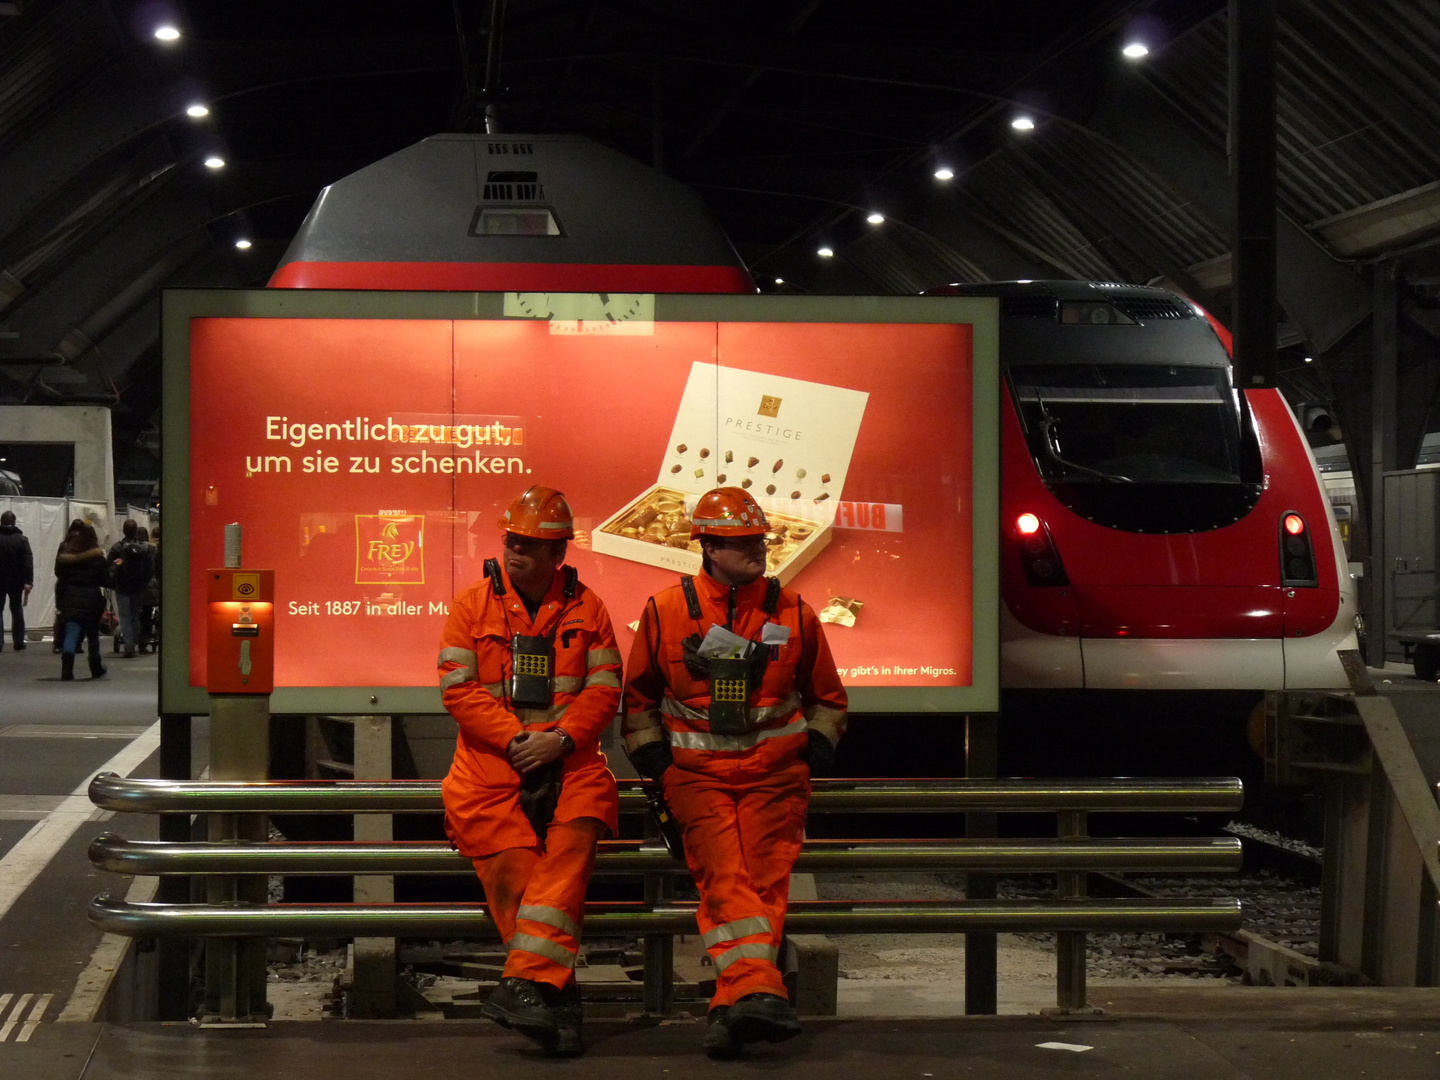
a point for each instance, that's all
(1252, 171)
(239, 750)
(1070, 944)
(1384, 407)
(982, 759)
(373, 994)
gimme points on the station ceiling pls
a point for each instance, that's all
(795, 119)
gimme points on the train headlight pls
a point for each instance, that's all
(1297, 554)
(1039, 556)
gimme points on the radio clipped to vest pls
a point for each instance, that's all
(729, 696)
(532, 661)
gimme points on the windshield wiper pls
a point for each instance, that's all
(1047, 430)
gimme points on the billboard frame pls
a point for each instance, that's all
(180, 306)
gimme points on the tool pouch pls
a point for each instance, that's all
(729, 697)
(533, 665)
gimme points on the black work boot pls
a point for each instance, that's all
(762, 1018)
(719, 1042)
(67, 666)
(96, 667)
(569, 1017)
(520, 1004)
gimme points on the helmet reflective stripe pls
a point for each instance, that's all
(553, 524)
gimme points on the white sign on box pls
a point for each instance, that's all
(786, 441)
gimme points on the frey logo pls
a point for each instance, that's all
(769, 406)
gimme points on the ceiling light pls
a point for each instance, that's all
(214, 162)
(243, 244)
(1023, 123)
(825, 252)
(875, 218)
(167, 33)
(779, 281)
(197, 110)
(1309, 359)
(1135, 50)
(944, 173)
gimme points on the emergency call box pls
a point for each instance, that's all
(240, 638)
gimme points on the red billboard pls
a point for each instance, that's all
(369, 461)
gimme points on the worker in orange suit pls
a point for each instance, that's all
(734, 727)
(530, 670)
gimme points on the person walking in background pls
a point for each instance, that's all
(59, 635)
(132, 565)
(149, 630)
(17, 576)
(80, 574)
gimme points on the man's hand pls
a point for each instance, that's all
(531, 749)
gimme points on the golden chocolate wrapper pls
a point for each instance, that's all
(841, 611)
(660, 519)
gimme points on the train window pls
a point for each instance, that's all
(1149, 448)
(515, 221)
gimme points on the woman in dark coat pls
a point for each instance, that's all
(80, 570)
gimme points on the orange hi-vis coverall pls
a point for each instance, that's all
(535, 892)
(740, 800)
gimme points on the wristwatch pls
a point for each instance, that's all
(569, 743)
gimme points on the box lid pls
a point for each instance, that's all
(792, 435)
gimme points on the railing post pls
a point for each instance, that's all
(1070, 944)
(659, 949)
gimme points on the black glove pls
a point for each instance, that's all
(539, 796)
(819, 755)
(652, 759)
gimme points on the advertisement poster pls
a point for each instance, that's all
(369, 461)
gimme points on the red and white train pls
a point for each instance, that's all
(1162, 529)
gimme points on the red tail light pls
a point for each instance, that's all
(1039, 557)
(1297, 554)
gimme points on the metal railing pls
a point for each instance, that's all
(1070, 856)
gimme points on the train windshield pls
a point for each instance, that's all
(1158, 437)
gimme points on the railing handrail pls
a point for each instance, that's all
(1006, 795)
(601, 919)
(1044, 855)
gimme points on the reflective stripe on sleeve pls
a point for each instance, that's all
(751, 950)
(603, 678)
(456, 677)
(567, 684)
(703, 740)
(464, 657)
(550, 916)
(540, 946)
(755, 924)
(551, 715)
(823, 714)
(599, 657)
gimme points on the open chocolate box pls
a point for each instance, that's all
(785, 441)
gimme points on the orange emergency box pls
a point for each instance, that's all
(241, 631)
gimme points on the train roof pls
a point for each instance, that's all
(513, 213)
(1096, 322)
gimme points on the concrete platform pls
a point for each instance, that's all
(1204, 1034)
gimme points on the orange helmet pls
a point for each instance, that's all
(728, 511)
(541, 513)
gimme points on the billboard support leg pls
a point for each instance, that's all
(981, 760)
(239, 750)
